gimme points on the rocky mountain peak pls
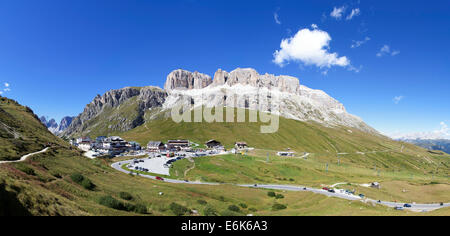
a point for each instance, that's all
(186, 80)
(65, 122)
(142, 98)
(249, 76)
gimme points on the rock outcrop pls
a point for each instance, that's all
(108, 106)
(51, 124)
(185, 80)
(252, 78)
(64, 124)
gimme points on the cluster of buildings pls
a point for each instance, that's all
(186, 145)
(105, 145)
(115, 145)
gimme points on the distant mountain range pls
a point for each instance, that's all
(431, 144)
(53, 127)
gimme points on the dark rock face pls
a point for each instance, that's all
(51, 124)
(64, 124)
(147, 97)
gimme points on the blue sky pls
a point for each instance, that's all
(57, 55)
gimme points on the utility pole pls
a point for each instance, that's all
(326, 168)
(267, 158)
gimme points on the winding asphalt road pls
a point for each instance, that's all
(24, 158)
(414, 207)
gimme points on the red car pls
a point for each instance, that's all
(159, 178)
(324, 188)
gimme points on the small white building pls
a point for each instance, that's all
(285, 154)
(85, 146)
(83, 140)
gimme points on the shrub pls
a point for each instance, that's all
(277, 207)
(252, 209)
(291, 179)
(279, 196)
(56, 174)
(83, 181)
(202, 202)
(243, 205)
(125, 196)
(221, 198)
(234, 208)
(271, 194)
(87, 184)
(27, 170)
(178, 209)
(141, 209)
(111, 202)
(77, 178)
(209, 211)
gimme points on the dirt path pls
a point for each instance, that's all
(189, 169)
(24, 158)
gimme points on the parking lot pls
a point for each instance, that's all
(159, 163)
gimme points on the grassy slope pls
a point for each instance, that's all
(311, 172)
(50, 191)
(45, 194)
(299, 136)
(20, 131)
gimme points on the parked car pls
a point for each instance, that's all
(159, 178)
(324, 188)
(441, 204)
(398, 208)
(362, 195)
(331, 191)
(304, 189)
(407, 205)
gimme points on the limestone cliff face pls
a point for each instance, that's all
(252, 78)
(182, 80)
(287, 98)
(124, 109)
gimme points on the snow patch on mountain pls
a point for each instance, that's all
(286, 96)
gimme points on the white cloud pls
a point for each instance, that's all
(314, 26)
(6, 88)
(310, 47)
(442, 133)
(386, 50)
(395, 53)
(357, 44)
(397, 99)
(356, 70)
(337, 12)
(355, 12)
(276, 17)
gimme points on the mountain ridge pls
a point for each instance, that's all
(296, 101)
